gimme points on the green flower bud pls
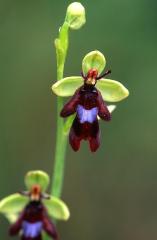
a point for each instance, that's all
(75, 16)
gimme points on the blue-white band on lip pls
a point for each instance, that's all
(31, 229)
(85, 115)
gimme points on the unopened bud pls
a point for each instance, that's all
(75, 15)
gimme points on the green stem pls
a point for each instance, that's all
(61, 143)
(61, 139)
(61, 44)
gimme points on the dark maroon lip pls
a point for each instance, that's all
(87, 103)
(32, 221)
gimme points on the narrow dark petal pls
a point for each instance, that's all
(16, 227)
(94, 136)
(94, 144)
(103, 112)
(49, 228)
(70, 106)
(74, 140)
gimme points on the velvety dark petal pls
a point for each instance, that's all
(49, 228)
(94, 136)
(94, 144)
(103, 111)
(70, 106)
(74, 140)
(86, 131)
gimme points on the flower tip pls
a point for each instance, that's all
(94, 59)
(75, 16)
(66, 214)
(37, 178)
(127, 92)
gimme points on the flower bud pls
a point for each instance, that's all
(93, 60)
(75, 16)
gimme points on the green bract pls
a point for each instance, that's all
(111, 90)
(75, 16)
(37, 178)
(68, 123)
(94, 59)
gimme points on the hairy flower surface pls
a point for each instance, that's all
(31, 211)
(89, 94)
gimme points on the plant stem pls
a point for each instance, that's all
(61, 143)
(61, 139)
(61, 45)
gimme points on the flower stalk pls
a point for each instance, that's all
(75, 19)
(61, 45)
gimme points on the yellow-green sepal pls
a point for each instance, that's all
(12, 205)
(56, 208)
(67, 86)
(111, 90)
(37, 178)
(93, 60)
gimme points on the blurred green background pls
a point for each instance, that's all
(111, 194)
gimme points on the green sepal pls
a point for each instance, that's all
(56, 208)
(111, 90)
(93, 60)
(37, 178)
(67, 86)
(68, 123)
(12, 205)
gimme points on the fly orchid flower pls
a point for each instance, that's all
(30, 212)
(89, 93)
